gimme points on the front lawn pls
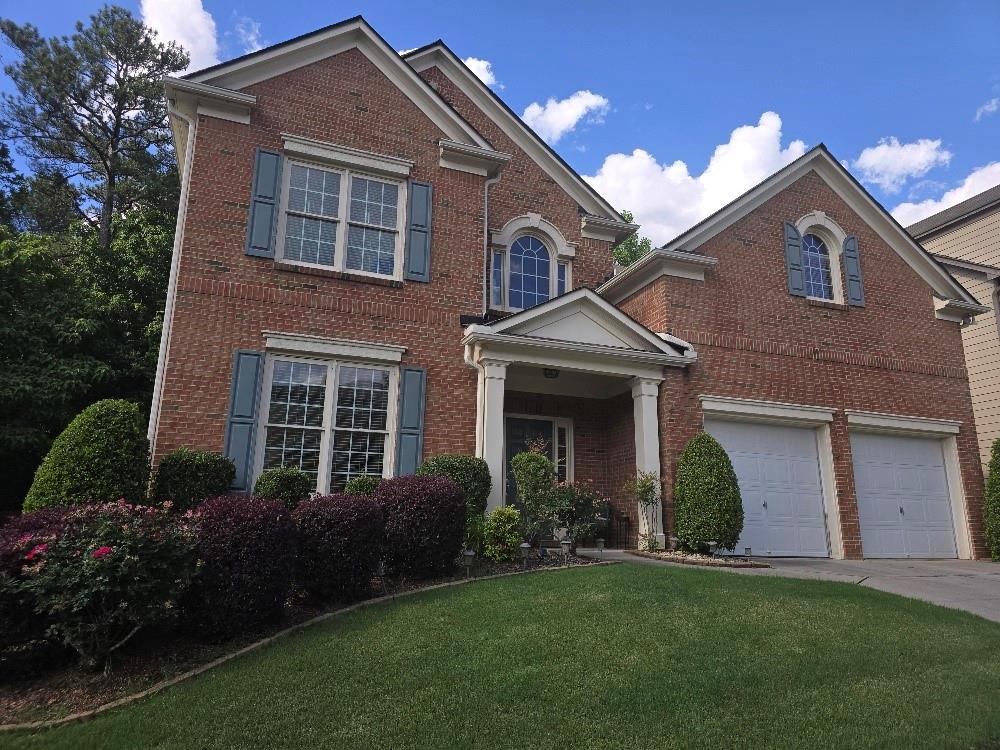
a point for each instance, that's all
(624, 656)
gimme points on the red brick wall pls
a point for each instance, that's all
(754, 340)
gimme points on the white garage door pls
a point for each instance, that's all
(778, 470)
(903, 501)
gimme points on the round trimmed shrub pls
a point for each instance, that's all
(286, 484)
(245, 548)
(991, 502)
(102, 456)
(468, 472)
(364, 484)
(707, 503)
(340, 545)
(424, 524)
(502, 534)
(187, 478)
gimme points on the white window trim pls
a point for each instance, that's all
(343, 349)
(342, 219)
(830, 232)
(329, 405)
(345, 156)
(557, 422)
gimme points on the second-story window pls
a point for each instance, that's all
(341, 220)
(526, 274)
(816, 266)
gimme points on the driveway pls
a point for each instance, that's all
(972, 585)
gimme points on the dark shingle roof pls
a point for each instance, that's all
(960, 210)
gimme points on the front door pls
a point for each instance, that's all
(525, 432)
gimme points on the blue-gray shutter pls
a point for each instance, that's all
(244, 396)
(793, 261)
(410, 443)
(264, 204)
(417, 263)
(854, 287)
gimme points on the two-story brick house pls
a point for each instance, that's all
(376, 260)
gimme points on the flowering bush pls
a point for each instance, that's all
(502, 534)
(340, 544)
(186, 477)
(424, 524)
(288, 484)
(113, 569)
(245, 548)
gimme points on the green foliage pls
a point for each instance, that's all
(468, 472)
(991, 502)
(645, 488)
(502, 534)
(574, 507)
(474, 524)
(534, 475)
(113, 570)
(364, 484)
(288, 484)
(102, 456)
(707, 503)
(628, 251)
(186, 477)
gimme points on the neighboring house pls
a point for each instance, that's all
(376, 260)
(966, 240)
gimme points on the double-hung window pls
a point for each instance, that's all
(330, 419)
(342, 220)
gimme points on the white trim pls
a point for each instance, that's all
(990, 272)
(473, 159)
(344, 156)
(652, 266)
(535, 225)
(832, 236)
(210, 101)
(879, 422)
(755, 410)
(607, 230)
(360, 351)
(956, 311)
(956, 493)
(831, 501)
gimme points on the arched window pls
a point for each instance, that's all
(530, 275)
(816, 265)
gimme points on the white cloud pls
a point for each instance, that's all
(979, 179)
(988, 109)
(483, 70)
(891, 163)
(247, 31)
(559, 116)
(666, 198)
(187, 23)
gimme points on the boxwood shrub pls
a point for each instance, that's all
(707, 503)
(340, 545)
(286, 484)
(468, 472)
(187, 478)
(245, 548)
(364, 484)
(424, 524)
(502, 534)
(101, 456)
(991, 502)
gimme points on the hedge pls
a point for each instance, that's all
(991, 502)
(286, 484)
(187, 478)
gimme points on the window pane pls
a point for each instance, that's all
(529, 273)
(309, 240)
(816, 267)
(354, 454)
(362, 399)
(374, 202)
(497, 280)
(298, 391)
(287, 446)
(313, 191)
(562, 473)
(371, 250)
(561, 278)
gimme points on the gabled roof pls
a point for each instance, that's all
(984, 201)
(332, 40)
(833, 173)
(440, 55)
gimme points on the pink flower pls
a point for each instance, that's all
(38, 549)
(100, 552)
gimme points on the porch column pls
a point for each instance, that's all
(494, 374)
(645, 392)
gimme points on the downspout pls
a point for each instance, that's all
(175, 262)
(486, 243)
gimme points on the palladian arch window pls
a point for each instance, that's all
(530, 273)
(816, 267)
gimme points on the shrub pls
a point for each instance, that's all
(101, 456)
(245, 548)
(574, 508)
(113, 570)
(340, 545)
(287, 484)
(18, 539)
(424, 524)
(645, 488)
(502, 534)
(991, 503)
(473, 530)
(534, 475)
(468, 472)
(365, 484)
(707, 504)
(186, 477)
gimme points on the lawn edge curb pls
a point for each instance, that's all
(696, 563)
(159, 687)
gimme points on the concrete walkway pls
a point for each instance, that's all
(971, 585)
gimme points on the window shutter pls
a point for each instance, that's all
(264, 203)
(854, 288)
(244, 392)
(410, 445)
(793, 261)
(418, 233)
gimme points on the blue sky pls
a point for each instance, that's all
(673, 109)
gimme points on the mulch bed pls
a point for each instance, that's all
(62, 688)
(706, 561)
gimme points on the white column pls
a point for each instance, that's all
(491, 450)
(647, 444)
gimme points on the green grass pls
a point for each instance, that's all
(613, 657)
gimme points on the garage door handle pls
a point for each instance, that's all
(765, 503)
(901, 510)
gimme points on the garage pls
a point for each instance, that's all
(778, 469)
(904, 505)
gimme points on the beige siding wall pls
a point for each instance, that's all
(977, 241)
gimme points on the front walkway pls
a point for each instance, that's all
(970, 585)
